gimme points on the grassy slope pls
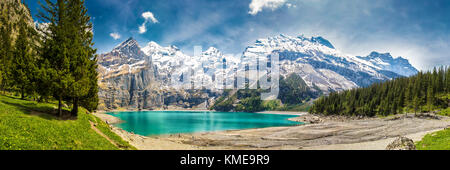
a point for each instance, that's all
(438, 140)
(435, 141)
(445, 112)
(24, 125)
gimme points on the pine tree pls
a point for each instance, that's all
(23, 65)
(2, 51)
(6, 53)
(430, 96)
(408, 95)
(90, 101)
(422, 92)
(82, 58)
(2, 60)
(55, 50)
(68, 54)
(447, 80)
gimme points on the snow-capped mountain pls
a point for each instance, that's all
(387, 62)
(127, 52)
(171, 63)
(132, 76)
(165, 59)
(319, 63)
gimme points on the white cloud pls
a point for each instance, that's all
(149, 17)
(115, 35)
(142, 28)
(257, 6)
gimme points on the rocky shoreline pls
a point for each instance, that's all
(318, 132)
(108, 119)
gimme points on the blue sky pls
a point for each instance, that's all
(418, 30)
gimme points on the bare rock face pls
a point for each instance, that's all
(129, 80)
(126, 78)
(11, 10)
(130, 91)
(402, 143)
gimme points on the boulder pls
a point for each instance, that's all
(402, 143)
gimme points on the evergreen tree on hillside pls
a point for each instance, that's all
(69, 60)
(447, 83)
(55, 66)
(2, 59)
(82, 58)
(2, 30)
(5, 52)
(23, 66)
(294, 90)
(420, 93)
(90, 101)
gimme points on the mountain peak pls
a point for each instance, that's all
(212, 49)
(129, 48)
(375, 54)
(130, 39)
(153, 44)
(319, 40)
(130, 42)
(173, 47)
(302, 37)
(385, 61)
(322, 41)
(127, 52)
(283, 36)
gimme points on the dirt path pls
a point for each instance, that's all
(154, 143)
(102, 134)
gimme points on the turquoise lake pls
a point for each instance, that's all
(148, 123)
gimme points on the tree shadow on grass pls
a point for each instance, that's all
(45, 112)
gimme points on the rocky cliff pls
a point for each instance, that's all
(10, 13)
(129, 80)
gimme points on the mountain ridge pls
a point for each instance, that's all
(314, 59)
(386, 61)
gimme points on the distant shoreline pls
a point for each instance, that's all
(115, 120)
(168, 142)
(284, 113)
(368, 134)
(201, 110)
(146, 110)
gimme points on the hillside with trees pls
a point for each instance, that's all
(52, 62)
(424, 92)
(48, 80)
(294, 95)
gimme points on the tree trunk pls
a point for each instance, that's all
(74, 111)
(60, 106)
(22, 93)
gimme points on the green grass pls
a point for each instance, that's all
(295, 108)
(104, 128)
(435, 141)
(26, 125)
(275, 105)
(445, 112)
